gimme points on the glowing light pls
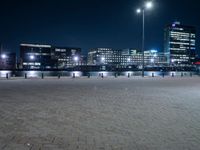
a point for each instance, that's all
(128, 59)
(3, 56)
(149, 5)
(152, 60)
(32, 57)
(76, 58)
(103, 59)
(154, 51)
(76, 73)
(138, 11)
(36, 45)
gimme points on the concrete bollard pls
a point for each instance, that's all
(181, 74)
(191, 74)
(152, 74)
(7, 76)
(25, 75)
(42, 76)
(172, 74)
(115, 75)
(102, 76)
(74, 76)
(163, 74)
(59, 76)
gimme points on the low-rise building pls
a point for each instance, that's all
(7, 61)
(37, 56)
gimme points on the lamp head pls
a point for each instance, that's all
(138, 11)
(149, 5)
(3, 56)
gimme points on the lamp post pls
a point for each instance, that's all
(148, 5)
(103, 60)
(32, 59)
(76, 60)
(2, 59)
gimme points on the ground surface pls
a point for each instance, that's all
(96, 114)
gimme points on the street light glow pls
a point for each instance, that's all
(3, 56)
(138, 10)
(32, 57)
(102, 58)
(152, 60)
(76, 58)
(149, 5)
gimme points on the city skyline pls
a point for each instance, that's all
(90, 24)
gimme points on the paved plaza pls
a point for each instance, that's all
(100, 114)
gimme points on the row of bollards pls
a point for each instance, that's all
(101, 75)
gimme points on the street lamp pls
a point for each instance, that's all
(32, 57)
(102, 59)
(76, 58)
(3, 56)
(148, 5)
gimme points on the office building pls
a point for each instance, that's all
(37, 56)
(67, 57)
(125, 57)
(180, 44)
(105, 56)
(7, 61)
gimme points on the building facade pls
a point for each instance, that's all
(7, 61)
(180, 44)
(66, 57)
(37, 56)
(125, 57)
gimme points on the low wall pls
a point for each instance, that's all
(99, 73)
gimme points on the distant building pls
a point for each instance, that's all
(125, 57)
(37, 56)
(8, 61)
(180, 44)
(67, 57)
(105, 56)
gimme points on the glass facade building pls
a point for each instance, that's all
(180, 44)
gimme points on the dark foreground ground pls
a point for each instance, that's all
(96, 114)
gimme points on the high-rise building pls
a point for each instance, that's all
(180, 44)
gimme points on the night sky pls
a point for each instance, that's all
(91, 23)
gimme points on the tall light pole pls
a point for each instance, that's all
(2, 60)
(146, 6)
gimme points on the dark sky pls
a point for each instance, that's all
(90, 23)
